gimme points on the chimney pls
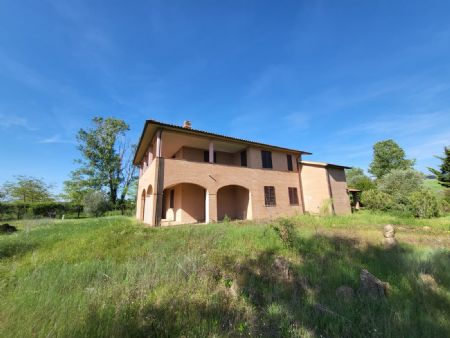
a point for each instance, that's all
(187, 124)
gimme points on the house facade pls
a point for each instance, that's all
(191, 176)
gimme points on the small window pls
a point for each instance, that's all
(293, 196)
(269, 196)
(289, 162)
(206, 156)
(243, 158)
(172, 198)
(266, 158)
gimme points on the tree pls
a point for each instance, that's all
(443, 174)
(28, 189)
(106, 159)
(388, 155)
(95, 203)
(399, 184)
(358, 180)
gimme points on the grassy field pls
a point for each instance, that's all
(113, 277)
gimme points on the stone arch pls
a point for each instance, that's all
(234, 201)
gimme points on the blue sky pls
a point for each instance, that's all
(330, 77)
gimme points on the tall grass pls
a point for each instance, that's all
(113, 277)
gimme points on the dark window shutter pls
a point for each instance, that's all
(289, 162)
(266, 158)
(243, 158)
(293, 196)
(206, 156)
(269, 196)
(172, 198)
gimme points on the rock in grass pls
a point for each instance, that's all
(389, 231)
(426, 228)
(371, 285)
(7, 229)
(428, 281)
(282, 268)
(390, 242)
(345, 293)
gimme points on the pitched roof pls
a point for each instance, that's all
(139, 150)
(323, 164)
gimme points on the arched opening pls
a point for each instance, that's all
(233, 201)
(183, 203)
(143, 195)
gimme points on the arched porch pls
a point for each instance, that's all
(234, 202)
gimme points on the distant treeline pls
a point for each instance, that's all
(21, 210)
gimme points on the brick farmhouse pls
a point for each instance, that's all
(190, 176)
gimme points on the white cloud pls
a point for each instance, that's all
(54, 139)
(9, 121)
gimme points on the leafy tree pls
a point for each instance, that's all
(376, 200)
(443, 174)
(106, 160)
(95, 203)
(388, 155)
(424, 204)
(28, 189)
(399, 184)
(358, 180)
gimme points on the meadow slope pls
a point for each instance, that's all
(113, 277)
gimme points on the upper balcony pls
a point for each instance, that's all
(170, 144)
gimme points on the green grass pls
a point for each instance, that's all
(113, 277)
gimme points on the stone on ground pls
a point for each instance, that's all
(371, 285)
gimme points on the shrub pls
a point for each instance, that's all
(424, 204)
(376, 200)
(399, 184)
(326, 208)
(285, 230)
(95, 203)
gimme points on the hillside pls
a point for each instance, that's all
(113, 277)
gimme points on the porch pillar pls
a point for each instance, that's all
(211, 152)
(158, 143)
(210, 207)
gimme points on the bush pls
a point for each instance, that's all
(286, 231)
(399, 184)
(424, 204)
(376, 200)
(95, 203)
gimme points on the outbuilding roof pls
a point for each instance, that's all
(323, 164)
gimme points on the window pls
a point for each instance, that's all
(289, 162)
(172, 198)
(266, 157)
(269, 196)
(243, 158)
(206, 156)
(293, 196)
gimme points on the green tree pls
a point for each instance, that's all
(388, 155)
(358, 180)
(106, 159)
(399, 184)
(443, 174)
(28, 189)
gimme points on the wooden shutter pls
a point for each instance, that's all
(269, 196)
(289, 162)
(243, 158)
(293, 196)
(266, 158)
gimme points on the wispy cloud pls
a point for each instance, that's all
(9, 121)
(399, 125)
(55, 139)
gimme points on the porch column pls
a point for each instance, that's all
(211, 152)
(158, 143)
(210, 207)
(150, 155)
